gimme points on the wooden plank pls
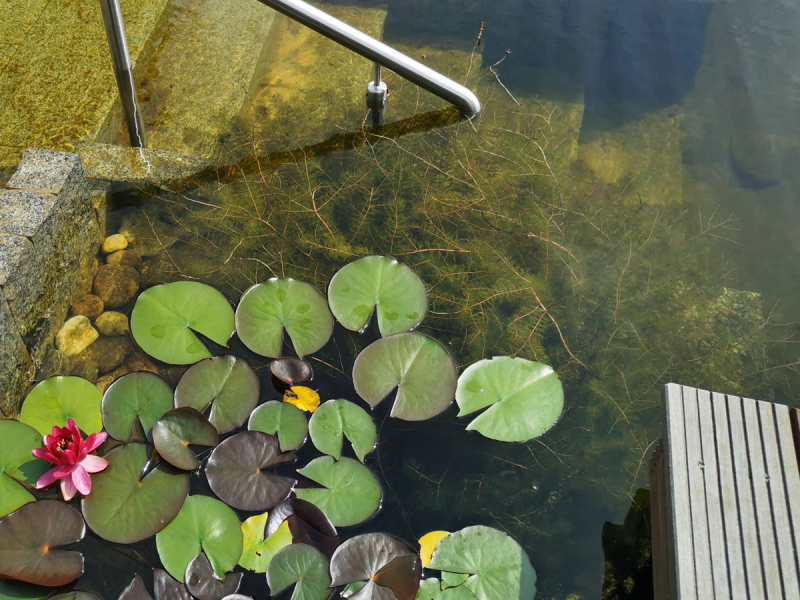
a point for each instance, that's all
(697, 496)
(763, 509)
(744, 492)
(660, 539)
(679, 517)
(711, 479)
(791, 473)
(779, 501)
(729, 500)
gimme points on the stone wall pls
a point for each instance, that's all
(51, 223)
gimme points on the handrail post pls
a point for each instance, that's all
(377, 94)
(123, 70)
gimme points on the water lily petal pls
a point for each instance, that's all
(68, 489)
(94, 463)
(94, 441)
(57, 472)
(80, 478)
(45, 454)
(72, 427)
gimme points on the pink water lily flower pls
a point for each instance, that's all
(66, 449)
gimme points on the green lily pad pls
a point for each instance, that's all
(19, 590)
(126, 505)
(142, 397)
(418, 367)
(55, 400)
(303, 565)
(204, 525)
(268, 308)
(450, 580)
(227, 383)
(431, 589)
(334, 420)
(381, 281)
(30, 539)
(166, 316)
(18, 465)
(351, 494)
(176, 430)
(285, 420)
(258, 552)
(498, 567)
(526, 398)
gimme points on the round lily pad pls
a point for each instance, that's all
(179, 428)
(135, 590)
(55, 400)
(258, 551)
(526, 398)
(303, 565)
(204, 525)
(203, 584)
(227, 383)
(351, 494)
(18, 465)
(282, 419)
(133, 401)
(381, 560)
(236, 471)
(268, 308)
(381, 281)
(291, 370)
(499, 568)
(74, 595)
(166, 316)
(126, 505)
(336, 419)
(432, 589)
(167, 588)
(307, 524)
(419, 367)
(29, 542)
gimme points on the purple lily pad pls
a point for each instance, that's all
(176, 430)
(203, 584)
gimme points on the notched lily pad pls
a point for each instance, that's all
(419, 368)
(282, 419)
(337, 419)
(303, 565)
(17, 465)
(179, 429)
(307, 524)
(133, 401)
(526, 398)
(237, 473)
(383, 561)
(351, 494)
(129, 504)
(168, 588)
(166, 316)
(55, 400)
(258, 550)
(30, 539)
(135, 590)
(291, 370)
(382, 282)
(433, 589)
(203, 584)
(225, 383)
(74, 595)
(268, 308)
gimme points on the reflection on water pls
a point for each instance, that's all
(624, 210)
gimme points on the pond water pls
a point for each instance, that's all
(624, 210)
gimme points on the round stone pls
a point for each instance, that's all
(124, 257)
(76, 335)
(115, 242)
(112, 323)
(89, 306)
(106, 354)
(116, 284)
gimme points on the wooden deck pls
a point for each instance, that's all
(725, 499)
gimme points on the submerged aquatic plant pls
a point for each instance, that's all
(66, 448)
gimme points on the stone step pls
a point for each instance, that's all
(200, 77)
(57, 84)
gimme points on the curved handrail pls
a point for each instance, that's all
(378, 52)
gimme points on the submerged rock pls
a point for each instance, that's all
(114, 243)
(106, 354)
(103, 382)
(76, 335)
(89, 306)
(138, 361)
(112, 324)
(116, 284)
(125, 257)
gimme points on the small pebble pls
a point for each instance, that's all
(113, 243)
(112, 324)
(89, 306)
(76, 335)
(116, 284)
(103, 382)
(128, 258)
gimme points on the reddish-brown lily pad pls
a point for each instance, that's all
(237, 473)
(203, 584)
(135, 590)
(167, 588)
(29, 542)
(307, 524)
(177, 430)
(291, 370)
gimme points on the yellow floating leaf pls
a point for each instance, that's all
(303, 398)
(257, 552)
(428, 543)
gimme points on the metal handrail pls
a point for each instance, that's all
(321, 22)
